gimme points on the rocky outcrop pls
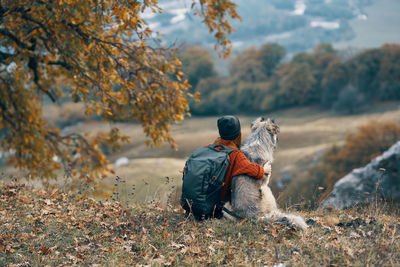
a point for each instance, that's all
(380, 178)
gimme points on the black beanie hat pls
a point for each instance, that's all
(228, 127)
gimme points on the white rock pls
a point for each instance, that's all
(380, 178)
(122, 161)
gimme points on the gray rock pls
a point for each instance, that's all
(380, 178)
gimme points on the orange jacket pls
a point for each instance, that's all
(238, 164)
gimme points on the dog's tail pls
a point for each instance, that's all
(277, 216)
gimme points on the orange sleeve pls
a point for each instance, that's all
(242, 165)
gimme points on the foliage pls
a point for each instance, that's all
(375, 73)
(206, 87)
(216, 15)
(296, 85)
(364, 71)
(271, 54)
(256, 65)
(389, 87)
(248, 67)
(64, 229)
(197, 64)
(321, 77)
(243, 97)
(101, 53)
(335, 76)
(349, 101)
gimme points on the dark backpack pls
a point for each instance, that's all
(203, 179)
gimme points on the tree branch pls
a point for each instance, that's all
(61, 63)
(8, 34)
(4, 56)
(5, 116)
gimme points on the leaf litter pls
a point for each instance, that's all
(51, 227)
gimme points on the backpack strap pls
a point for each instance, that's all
(226, 149)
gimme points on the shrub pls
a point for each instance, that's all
(334, 78)
(206, 87)
(271, 54)
(350, 101)
(248, 67)
(296, 85)
(197, 64)
(249, 96)
(371, 140)
(223, 101)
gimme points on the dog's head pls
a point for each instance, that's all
(267, 127)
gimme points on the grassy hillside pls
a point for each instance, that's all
(304, 133)
(53, 228)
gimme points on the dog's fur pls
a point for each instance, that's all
(253, 198)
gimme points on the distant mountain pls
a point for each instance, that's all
(297, 24)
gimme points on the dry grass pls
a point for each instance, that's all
(50, 227)
(147, 180)
(304, 133)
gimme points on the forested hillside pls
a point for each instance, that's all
(344, 81)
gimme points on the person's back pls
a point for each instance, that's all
(230, 139)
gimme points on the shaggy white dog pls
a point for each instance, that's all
(253, 198)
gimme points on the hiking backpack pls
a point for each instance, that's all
(203, 179)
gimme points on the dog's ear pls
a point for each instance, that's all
(273, 126)
(254, 123)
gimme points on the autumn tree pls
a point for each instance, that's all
(271, 55)
(206, 87)
(247, 67)
(197, 64)
(100, 52)
(389, 73)
(349, 101)
(296, 85)
(335, 77)
(364, 69)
